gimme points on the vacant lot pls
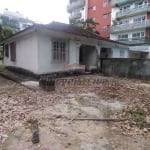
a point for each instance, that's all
(56, 111)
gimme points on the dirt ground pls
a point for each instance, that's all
(56, 113)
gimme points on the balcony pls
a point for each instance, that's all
(75, 5)
(140, 48)
(76, 15)
(135, 41)
(134, 11)
(129, 27)
(115, 3)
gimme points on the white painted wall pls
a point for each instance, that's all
(45, 60)
(26, 53)
(116, 52)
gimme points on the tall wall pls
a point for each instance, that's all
(134, 68)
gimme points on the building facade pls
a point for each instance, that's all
(130, 23)
(15, 20)
(77, 9)
(98, 10)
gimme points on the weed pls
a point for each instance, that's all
(137, 115)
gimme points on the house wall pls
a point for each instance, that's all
(117, 53)
(116, 50)
(45, 61)
(26, 53)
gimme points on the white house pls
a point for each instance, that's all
(49, 48)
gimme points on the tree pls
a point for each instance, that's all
(6, 21)
(88, 24)
(6, 31)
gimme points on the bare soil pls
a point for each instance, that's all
(56, 112)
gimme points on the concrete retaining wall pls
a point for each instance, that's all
(132, 68)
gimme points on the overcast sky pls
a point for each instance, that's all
(38, 10)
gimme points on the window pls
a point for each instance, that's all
(106, 2)
(106, 28)
(13, 51)
(139, 19)
(138, 35)
(94, 19)
(123, 37)
(106, 15)
(124, 22)
(124, 8)
(92, 8)
(59, 50)
(121, 53)
(6, 48)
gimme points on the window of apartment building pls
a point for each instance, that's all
(106, 28)
(138, 35)
(6, 49)
(123, 37)
(13, 51)
(59, 50)
(124, 22)
(125, 8)
(94, 19)
(106, 3)
(92, 8)
(140, 4)
(139, 19)
(106, 15)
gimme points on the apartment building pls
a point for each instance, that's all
(15, 20)
(130, 20)
(98, 10)
(77, 9)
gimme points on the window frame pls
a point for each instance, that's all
(13, 51)
(6, 50)
(59, 50)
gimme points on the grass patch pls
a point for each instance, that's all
(138, 116)
(1, 66)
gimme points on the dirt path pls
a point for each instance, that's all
(57, 130)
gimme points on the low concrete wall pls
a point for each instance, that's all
(134, 68)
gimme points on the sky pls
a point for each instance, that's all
(44, 11)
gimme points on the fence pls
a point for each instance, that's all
(132, 68)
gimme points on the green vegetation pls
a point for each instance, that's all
(1, 52)
(88, 24)
(1, 66)
(12, 23)
(6, 31)
(138, 116)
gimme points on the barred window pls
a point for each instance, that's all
(59, 50)
(13, 51)
(6, 48)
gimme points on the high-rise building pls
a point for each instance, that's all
(15, 20)
(77, 9)
(130, 21)
(98, 10)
